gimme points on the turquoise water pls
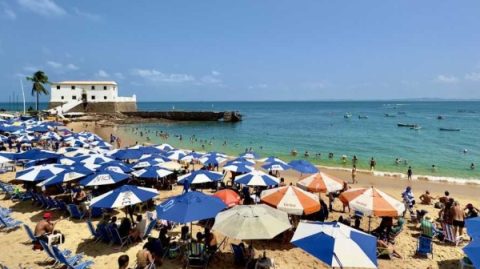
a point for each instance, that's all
(275, 128)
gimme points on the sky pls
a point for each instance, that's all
(247, 50)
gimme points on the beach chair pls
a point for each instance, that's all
(149, 229)
(51, 203)
(97, 236)
(196, 256)
(75, 211)
(424, 246)
(30, 233)
(96, 212)
(449, 234)
(9, 224)
(50, 254)
(117, 239)
(105, 234)
(63, 206)
(238, 257)
(72, 262)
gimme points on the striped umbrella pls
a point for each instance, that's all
(200, 176)
(276, 166)
(321, 182)
(149, 161)
(372, 202)
(303, 166)
(249, 155)
(39, 172)
(152, 172)
(124, 196)
(116, 166)
(245, 161)
(175, 155)
(71, 173)
(239, 168)
(165, 147)
(191, 156)
(104, 177)
(272, 159)
(292, 200)
(228, 196)
(257, 178)
(212, 159)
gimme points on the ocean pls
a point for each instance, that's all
(275, 128)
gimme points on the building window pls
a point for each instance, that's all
(58, 87)
(73, 87)
(105, 87)
(104, 98)
(93, 97)
(74, 97)
(93, 87)
(63, 97)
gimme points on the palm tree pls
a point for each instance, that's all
(39, 80)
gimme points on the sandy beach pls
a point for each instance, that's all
(285, 255)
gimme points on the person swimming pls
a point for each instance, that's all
(306, 154)
(293, 152)
(472, 166)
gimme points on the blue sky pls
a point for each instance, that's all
(247, 50)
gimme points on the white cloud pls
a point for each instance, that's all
(102, 74)
(258, 86)
(72, 67)
(157, 76)
(47, 8)
(473, 76)
(119, 75)
(446, 79)
(54, 64)
(215, 73)
(87, 15)
(210, 80)
(7, 12)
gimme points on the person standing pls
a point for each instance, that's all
(373, 163)
(458, 218)
(354, 174)
(409, 173)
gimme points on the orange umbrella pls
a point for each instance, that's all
(292, 200)
(372, 202)
(321, 182)
(229, 197)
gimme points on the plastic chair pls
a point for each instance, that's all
(239, 258)
(30, 233)
(72, 262)
(9, 224)
(75, 211)
(96, 235)
(117, 239)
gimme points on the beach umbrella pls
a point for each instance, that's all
(238, 168)
(272, 159)
(69, 174)
(128, 154)
(292, 200)
(257, 178)
(4, 159)
(148, 149)
(104, 177)
(191, 156)
(25, 139)
(473, 227)
(473, 252)
(123, 196)
(190, 206)
(39, 129)
(39, 172)
(212, 159)
(170, 165)
(249, 155)
(200, 176)
(276, 166)
(51, 136)
(93, 159)
(372, 202)
(251, 222)
(229, 197)
(74, 151)
(240, 160)
(152, 172)
(337, 245)
(321, 182)
(165, 147)
(303, 166)
(115, 166)
(148, 162)
(101, 144)
(175, 155)
(3, 139)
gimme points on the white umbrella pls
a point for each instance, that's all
(251, 222)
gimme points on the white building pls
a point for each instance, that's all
(93, 96)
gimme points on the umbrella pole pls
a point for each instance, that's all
(369, 222)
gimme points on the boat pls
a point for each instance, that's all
(407, 125)
(390, 115)
(347, 115)
(362, 117)
(416, 127)
(450, 129)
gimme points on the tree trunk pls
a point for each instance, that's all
(37, 101)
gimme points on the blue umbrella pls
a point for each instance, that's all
(39, 129)
(189, 207)
(39, 172)
(240, 160)
(238, 167)
(200, 176)
(151, 150)
(272, 159)
(212, 159)
(256, 178)
(473, 227)
(276, 166)
(303, 166)
(128, 154)
(336, 244)
(192, 156)
(152, 172)
(104, 177)
(250, 155)
(115, 166)
(473, 252)
(71, 173)
(150, 161)
(37, 154)
(123, 196)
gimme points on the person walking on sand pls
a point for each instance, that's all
(373, 163)
(354, 174)
(409, 173)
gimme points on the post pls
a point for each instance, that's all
(23, 95)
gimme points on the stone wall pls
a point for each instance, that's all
(101, 107)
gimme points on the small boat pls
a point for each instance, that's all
(416, 127)
(440, 117)
(390, 115)
(407, 125)
(362, 117)
(450, 129)
(347, 115)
